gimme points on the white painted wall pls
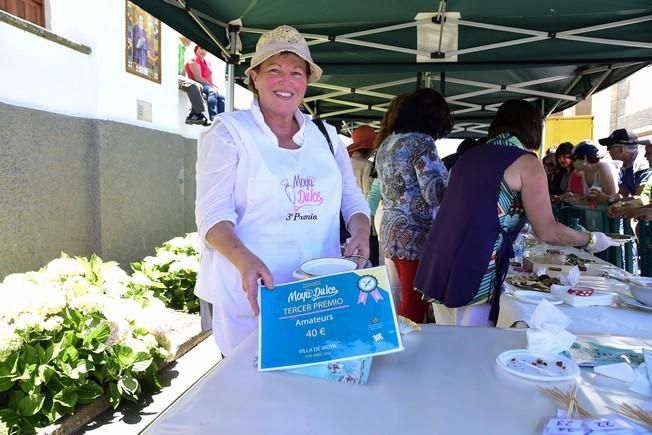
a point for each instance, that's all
(639, 91)
(601, 111)
(41, 74)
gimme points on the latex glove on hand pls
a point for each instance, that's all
(599, 242)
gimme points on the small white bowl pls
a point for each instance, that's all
(327, 266)
(641, 289)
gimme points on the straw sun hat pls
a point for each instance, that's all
(284, 38)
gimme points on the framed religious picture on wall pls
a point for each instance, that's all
(143, 43)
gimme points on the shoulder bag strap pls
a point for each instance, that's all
(320, 125)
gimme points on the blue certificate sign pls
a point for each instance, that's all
(330, 318)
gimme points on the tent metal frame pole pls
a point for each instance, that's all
(350, 92)
(365, 90)
(427, 79)
(618, 42)
(473, 94)
(230, 68)
(496, 45)
(627, 22)
(597, 84)
(544, 80)
(465, 104)
(568, 89)
(534, 36)
(384, 29)
(346, 103)
(230, 87)
(329, 95)
(526, 91)
(489, 88)
(606, 67)
(195, 16)
(509, 29)
(342, 112)
(468, 110)
(307, 107)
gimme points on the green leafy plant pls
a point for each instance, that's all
(170, 275)
(68, 336)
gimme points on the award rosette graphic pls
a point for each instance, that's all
(368, 285)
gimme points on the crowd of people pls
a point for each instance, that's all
(620, 178)
(273, 186)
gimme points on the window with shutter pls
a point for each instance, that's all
(30, 10)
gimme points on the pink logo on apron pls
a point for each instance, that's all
(301, 192)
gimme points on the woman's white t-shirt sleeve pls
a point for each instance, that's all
(217, 161)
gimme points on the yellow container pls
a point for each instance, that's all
(571, 129)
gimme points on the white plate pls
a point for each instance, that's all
(550, 368)
(327, 266)
(298, 275)
(532, 297)
(631, 302)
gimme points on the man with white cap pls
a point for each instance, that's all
(270, 190)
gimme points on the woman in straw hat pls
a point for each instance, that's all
(269, 190)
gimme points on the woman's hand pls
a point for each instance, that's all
(358, 244)
(598, 195)
(222, 237)
(252, 269)
(625, 209)
(570, 197)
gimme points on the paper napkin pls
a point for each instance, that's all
(547, 332)
(620, 371)
(636, 379)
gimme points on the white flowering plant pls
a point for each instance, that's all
(170, 275)
(68, 335)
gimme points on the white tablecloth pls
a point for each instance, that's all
(613, 320)
(445, 382)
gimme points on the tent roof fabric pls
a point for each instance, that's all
(552, 52)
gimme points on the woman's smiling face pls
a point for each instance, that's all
(281, 82)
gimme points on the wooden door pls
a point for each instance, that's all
(30, 10)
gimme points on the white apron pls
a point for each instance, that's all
(290, 214)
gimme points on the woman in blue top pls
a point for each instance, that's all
(413, 180)
(491, 191)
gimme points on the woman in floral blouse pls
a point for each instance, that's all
(413, 180)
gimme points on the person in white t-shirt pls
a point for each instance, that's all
(270, 190)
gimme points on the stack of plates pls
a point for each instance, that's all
(629, 301)
(324, 266)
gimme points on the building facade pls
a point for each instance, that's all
(94, 157)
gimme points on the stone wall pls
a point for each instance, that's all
(639, 121)
(84, 186)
